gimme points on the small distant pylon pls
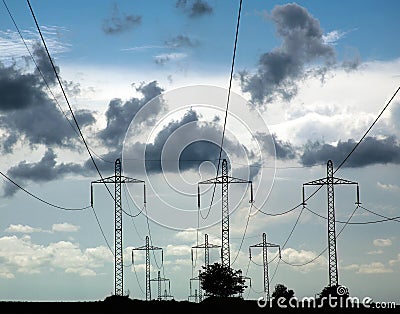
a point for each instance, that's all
(200, 294)
(206, 246)
(195, 296)
(147, 247)
(159, 279)
(265, 245)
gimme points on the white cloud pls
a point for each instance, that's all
(65, 227)
(394, 262)
(382, 242)
(22, 229)
(388, 187)
(375, 252)
(24, 256)
(372, 268)
(188, 235)
(333, 36)
(300, 257)
(178, 250)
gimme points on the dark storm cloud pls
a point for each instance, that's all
(120, 114)
(271, 144)
(279, 69)
(181, 41)
(44, 64)
(202, 145)
(42, 171)
(120, 22)
(27, 112)
(194, 8)
(370, 151)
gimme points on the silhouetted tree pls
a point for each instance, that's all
(333, 296)
(282, 294)
(220, 281)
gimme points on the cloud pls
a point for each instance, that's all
(388, 187)
(44, 170)
(119, 23)
(279, 70)
(299, 257)
(181, 41)
(200, 136)
(371, 151)
(178, 250)
(120, 114)
(22, 229)
(164, 58)
(377, 252)
(26, 111)
(281, 149)
(65, 227)
(372, 268)
(194, 8)
(24, 256)
(382, 242)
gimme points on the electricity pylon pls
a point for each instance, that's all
(159, 279)
(147, 247)
(195, 296)
(265, 245)
(330, 181)
(224, 180)
(206, 246)
(245, 278)
(200, 289)
(117, 179)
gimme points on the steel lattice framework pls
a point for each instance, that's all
(160, 279)
(265, 245)
(225, 180)
(206, 246)
(117, 179)
(330, 181)
(147, 247)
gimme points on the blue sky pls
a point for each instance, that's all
(317, 88)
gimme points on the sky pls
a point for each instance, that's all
(148, 83)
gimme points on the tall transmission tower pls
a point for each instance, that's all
(206, 246)
(330, 181)
(224, 180)
(265, 245)
(147, 247)
(160, 279)
(117, 179)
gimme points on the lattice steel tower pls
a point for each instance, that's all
(117, 179)
(330, 181)
(147, 247)
(265, 245)
(224, 180)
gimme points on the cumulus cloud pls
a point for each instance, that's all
(299, 257)
(24, 256)
(22, 229)
(372, 268)
(65, 227)
(194, 8)
(178, 250)
(120, 22)
(382, 242)
(303, 44)
(388, 187)
(120, 114)
(371, 151)
(44, 170)
(272, 145)
(26, 111)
